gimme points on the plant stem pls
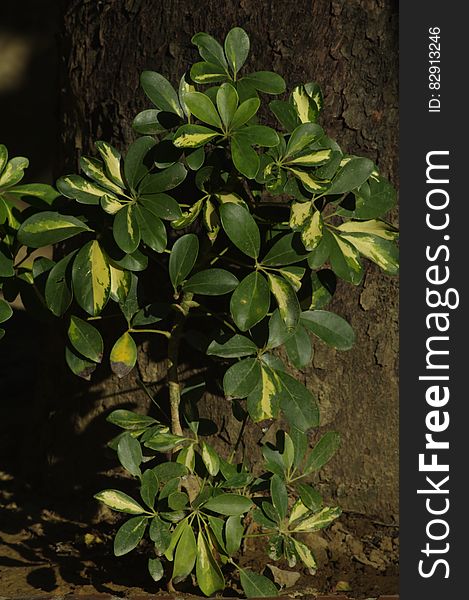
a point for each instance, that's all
(159, 331)
(173, 355)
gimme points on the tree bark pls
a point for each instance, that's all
(350, 49)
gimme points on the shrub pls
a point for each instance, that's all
(223, 234)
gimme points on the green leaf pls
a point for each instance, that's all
(257, 586)
(285, 113)
(186, 553)
(169, 470)
(322, 452)
(80, 189)
(177, 500)
(320, 254)
(258, 135)
(228, 504)
(44, 192)
(160, 92)
(148, 488)
(161, 205)
(241, 378)
(119, 501)
(126, 419)
(244, 113)
(134, 166)
(236, 347)
(91, 278)
(193, 136)
(205, 72)
(309, 496)
(278, 332)
(211, 282)
(5, 311)
(78, 365)
(250, 301)
(227, 102)
(279, 494)
(182, 259)
(266, 81)
(164, 180)
(152, 229)
(345, 259)
(287, 300)
(160, 533)
(129, 535)
(209, 576)
(45, 228)
(303, 136)
(373, 199)
(155, 568)
(236, 48)
(147, 123)
(354, 172)
(241, 228)
(234, 531)
(86, 339)
(202, 107)
(298, 347)
(129, 453)
(58, 290)
(123, 355)
(330, 328)
(210, 50)
(210, 458)
(245, 158)
(298, 403)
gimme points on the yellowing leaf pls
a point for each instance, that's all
(123, 355)
(209, 575)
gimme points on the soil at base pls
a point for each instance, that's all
(65, 546)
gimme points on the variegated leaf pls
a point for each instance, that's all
(377, 249)
(373, 227)
(299, 213)
(287, 300)
(345, 259)
(319, 520)
(264, 402)
(94, 169)
(193, 136)
(112, 161)
(311, 234)
(81, 190)
(91, 278)
(189, 216)
(306, 107)
(311, 183)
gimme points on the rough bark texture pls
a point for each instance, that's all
(350, 48)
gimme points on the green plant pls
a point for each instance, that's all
(245, 251)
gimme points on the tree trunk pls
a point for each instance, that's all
(350, 49)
